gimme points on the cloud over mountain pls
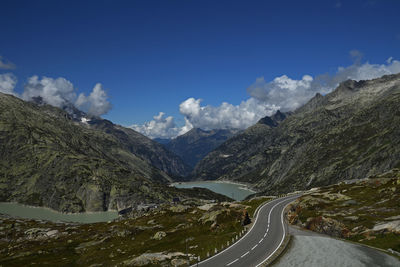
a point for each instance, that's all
(7, 83)
(96, 103)
(282, 93)
(59, 92)
(160, 126)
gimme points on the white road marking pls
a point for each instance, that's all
(254, 247)
(284, 232)
(261, 240)
(232, 262)
(245, 254)
(265, 234)
(238, 241)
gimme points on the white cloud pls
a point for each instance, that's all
(224, 116)
(96, 103)
(6, 65)
(55, 92)
(289, 94)
(160, 127)
(7, 83)
(282, 93)
(60, 92)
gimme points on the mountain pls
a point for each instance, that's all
(351, 133)
(195, 144)
(150, 151)
(50, 158)
(162, 141)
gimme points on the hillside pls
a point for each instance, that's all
(162, 236)
(364, 211)
(49, 159)
(351, 133)
(197, 143)
(150, 151)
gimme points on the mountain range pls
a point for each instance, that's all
(350, 133)
(68, 161)
(71, 162)
(194, 145)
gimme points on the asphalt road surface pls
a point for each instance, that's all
(260, 242)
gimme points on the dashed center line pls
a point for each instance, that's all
(232, 262)
(254, 247)
(245, 254)
(265, 234)
(261, 240)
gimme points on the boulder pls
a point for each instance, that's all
(159, 235)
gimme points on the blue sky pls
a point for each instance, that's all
(150, 56)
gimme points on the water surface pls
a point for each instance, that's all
(232, 190)
(29, 212)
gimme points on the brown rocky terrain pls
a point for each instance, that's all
(169, 234)
(366, 211)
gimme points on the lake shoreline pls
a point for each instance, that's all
(18, 210)
(223, 187)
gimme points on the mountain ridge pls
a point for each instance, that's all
(352, 132)
(49, 159)
(196, 143)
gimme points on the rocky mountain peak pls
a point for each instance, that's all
(274, 120)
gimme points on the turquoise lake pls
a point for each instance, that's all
(23, 211)
(232, 190)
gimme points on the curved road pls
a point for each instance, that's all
(260, 242)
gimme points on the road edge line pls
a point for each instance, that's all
(283, 238)
(258, 211)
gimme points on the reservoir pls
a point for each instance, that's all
(29, 212)
(232, 190)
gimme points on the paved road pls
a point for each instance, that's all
(262, 240)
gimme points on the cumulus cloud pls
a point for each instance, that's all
(7, 83)
(289, 94)
(55, 92)
(6, 65)
(96, 103)
(282, 93)
(159, 127)
(225, 116)
(60, 92)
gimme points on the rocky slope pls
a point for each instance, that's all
(350, 133)
(365, 211)
(245, 148)
(159, 237)
(48, 158)
(150, 151)
(195, 144)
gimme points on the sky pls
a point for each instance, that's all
(164, 67)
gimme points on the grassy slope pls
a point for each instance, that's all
(125, 239)
(350, 211)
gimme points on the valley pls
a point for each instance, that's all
(67, 161)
